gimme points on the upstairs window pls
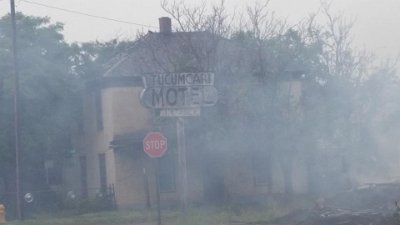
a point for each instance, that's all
(99, 111)
(103, 173)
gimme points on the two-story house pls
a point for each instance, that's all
(110, 150)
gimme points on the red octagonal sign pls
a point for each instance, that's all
(155, 144)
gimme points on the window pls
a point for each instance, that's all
(103, 173)
(53, 172)
(167, 173)
(99, 110)
(83, 167)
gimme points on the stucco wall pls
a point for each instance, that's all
(121, 112)
(95, 141)
(127, 115)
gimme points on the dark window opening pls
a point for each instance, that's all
(83, 170)
(167, 173)
(103, 173)
(53, 173)
(99, 110)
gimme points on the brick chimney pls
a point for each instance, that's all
(165, 25)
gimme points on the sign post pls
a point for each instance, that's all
(157, 167)
(180, 129)
(179, 95)
(155, 146)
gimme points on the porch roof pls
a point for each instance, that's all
(128, 139)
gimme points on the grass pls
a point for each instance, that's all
(210, 215)
(100, 218)
(203, 216)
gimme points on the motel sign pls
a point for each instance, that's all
(179, 91)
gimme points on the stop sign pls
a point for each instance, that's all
(155, 144)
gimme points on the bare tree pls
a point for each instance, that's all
(263, 23)
(199, 18)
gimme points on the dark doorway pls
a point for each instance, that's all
(83, 177)
(167, 172)
(214, 189)
(103, 173)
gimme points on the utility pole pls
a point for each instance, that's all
(16, 109)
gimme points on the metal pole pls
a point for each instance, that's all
(180, 130)
(158, 191)
(16, 108)
(146, 188)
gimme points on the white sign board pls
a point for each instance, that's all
(179, 91)
(180, 112)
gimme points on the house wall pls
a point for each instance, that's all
(121, 113)
(95, 141)
(127, 116)
(72, 171)
(130, 187)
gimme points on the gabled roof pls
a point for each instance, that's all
(159, 52)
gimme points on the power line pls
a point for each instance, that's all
(86, 14)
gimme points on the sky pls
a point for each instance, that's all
(376, 28)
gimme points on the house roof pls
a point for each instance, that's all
(160, 52)
(180, 52)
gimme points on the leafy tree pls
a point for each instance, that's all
(48, 99)
(90, 59)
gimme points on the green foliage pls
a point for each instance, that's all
(52, 74)
(49, 104)
(100, 218)
(89, 59)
